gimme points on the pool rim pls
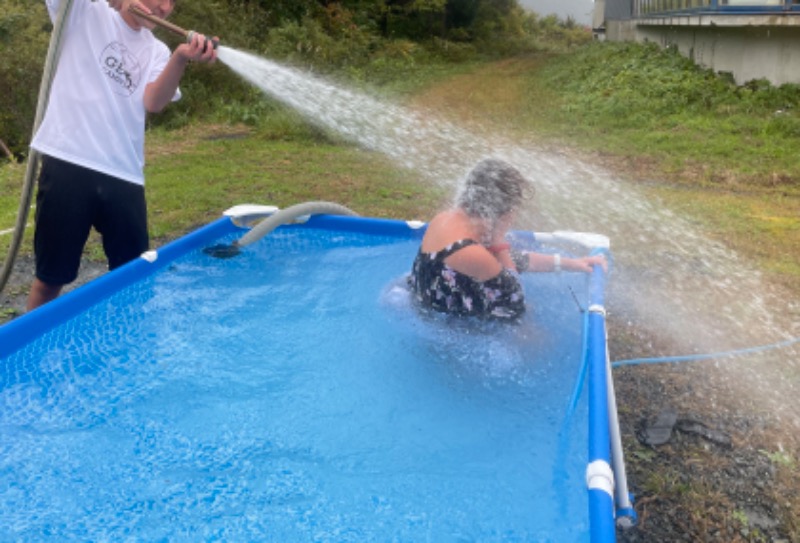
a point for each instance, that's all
(600, 475)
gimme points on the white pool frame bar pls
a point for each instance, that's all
(609, 501)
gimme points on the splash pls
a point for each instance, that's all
(668, 277)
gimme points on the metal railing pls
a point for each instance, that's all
(645, 8)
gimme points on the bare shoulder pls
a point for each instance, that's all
(444, 229)
(447, 219)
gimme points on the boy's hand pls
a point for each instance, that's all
(198, 48)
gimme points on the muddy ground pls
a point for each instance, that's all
(727, 473)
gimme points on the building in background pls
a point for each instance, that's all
(579, 10)
(750, 39)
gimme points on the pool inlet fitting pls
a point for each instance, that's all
(175, 29)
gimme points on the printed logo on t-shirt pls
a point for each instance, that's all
(121, 67)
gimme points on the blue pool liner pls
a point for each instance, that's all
(21, 331)
(24, 329)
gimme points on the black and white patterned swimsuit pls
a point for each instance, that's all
(438, 286)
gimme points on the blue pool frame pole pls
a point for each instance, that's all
(607, 486)
(599, 476)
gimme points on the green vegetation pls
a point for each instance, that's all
(24, 35)
(699, 127)
(780, 458)
(725, 154)
(224, 166)
(378, 42)
(277, 156)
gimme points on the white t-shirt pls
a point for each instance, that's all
(96, 117)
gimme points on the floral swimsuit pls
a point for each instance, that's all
(438, 286)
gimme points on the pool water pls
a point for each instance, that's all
(293, 393)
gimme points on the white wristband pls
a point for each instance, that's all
(557, 262)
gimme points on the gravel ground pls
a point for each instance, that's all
(727, 473)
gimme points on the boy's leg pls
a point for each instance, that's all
(64, 203)
(41, 293)
(122, 221)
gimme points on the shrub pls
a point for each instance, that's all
(24, 36)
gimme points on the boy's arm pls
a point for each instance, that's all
(159, 93)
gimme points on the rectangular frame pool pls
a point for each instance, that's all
(600, 478)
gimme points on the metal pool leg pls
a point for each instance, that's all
(626, 515)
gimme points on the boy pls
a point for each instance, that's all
(112, 72)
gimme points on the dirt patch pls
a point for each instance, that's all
(730, 477)
(698, 487)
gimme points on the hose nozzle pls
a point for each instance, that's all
(214, 42)
(175, 29)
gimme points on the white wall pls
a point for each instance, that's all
(749, 51)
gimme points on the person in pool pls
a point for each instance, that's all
(465, 266)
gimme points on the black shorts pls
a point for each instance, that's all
(70, 201)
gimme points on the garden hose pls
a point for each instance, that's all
(707, 356)
(283, 216)
(50, 64)
(175, 29)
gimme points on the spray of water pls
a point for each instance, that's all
(668, 277)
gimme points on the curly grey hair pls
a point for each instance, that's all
(492, 189)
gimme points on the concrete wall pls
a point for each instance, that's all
(748, 47)
(614, 9)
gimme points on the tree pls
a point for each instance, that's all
(24, 35)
